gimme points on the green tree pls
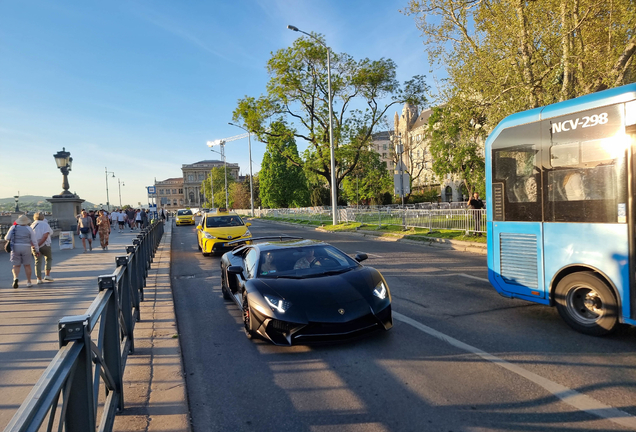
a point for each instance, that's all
(456, 144)
(297, 91)
(369, 181)
(217, 175)
(282, 183)
(240, 195)
(507, 56)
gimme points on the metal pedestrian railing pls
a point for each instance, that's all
(4, 228)
(67, 395)
(434, 218)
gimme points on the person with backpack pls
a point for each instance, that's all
(22, 238)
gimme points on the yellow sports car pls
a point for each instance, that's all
(185, 217)
(216, 229)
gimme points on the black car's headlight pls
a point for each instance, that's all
(380, 290)
(277, 304)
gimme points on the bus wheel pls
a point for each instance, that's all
(587, 304)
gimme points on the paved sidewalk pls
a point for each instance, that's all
(154, 385)
(29, 316)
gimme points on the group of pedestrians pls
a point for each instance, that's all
(28, 242)
(32, 241)
(134, 218)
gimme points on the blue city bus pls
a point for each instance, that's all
(560, 184)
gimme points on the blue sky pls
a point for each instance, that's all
(140, 86)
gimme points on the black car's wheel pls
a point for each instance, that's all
(247, 318)
(587, 304)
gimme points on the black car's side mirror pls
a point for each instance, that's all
(235, 270)
(361, 257)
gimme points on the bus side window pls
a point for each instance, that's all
(585, 178)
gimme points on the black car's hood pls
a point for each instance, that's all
(319, 298)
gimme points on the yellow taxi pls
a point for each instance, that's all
(218, 228)
(185, 217)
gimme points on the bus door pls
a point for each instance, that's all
(517, 228)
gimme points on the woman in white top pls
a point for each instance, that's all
(22, 238)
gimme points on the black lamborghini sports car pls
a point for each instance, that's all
(301, 291)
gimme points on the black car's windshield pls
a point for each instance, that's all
(306, 261)
(184, 213)
(223, 221)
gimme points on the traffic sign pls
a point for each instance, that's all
(406, 184)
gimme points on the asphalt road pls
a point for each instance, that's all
(459, 357)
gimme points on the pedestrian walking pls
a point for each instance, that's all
(113, 218)
(22, 238)
(130, 215)
(93, 215)
(475, 204)
(103, 227)
(43, 233)
(144, 218)
(138, 218)
(84, 229)
(121, 220)
(163, 215)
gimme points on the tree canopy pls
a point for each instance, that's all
(282, 183)
(297, 93)
(217, 175)
(369, 181)
(508, 56)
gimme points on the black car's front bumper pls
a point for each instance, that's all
(288, 333)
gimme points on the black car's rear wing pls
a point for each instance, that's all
(253, 239)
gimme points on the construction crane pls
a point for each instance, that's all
(221, 142)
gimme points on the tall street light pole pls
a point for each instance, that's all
(107, 199)
(249, 146)
(121, 183)
(334, 189)
(222, 153)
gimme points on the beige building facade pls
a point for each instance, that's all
(169, 193)
(410, 130)
(193, 176)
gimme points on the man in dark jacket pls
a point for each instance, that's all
(474, 203)
(144, 218)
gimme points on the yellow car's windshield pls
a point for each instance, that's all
(223, 221)
(184, 213)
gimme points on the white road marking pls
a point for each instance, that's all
(457, 274)
(567, 395)
(473, 277)
(370, 254)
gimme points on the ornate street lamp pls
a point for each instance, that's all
(64, 162)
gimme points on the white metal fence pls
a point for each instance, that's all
(460, 219)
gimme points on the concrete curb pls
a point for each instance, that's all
(154, 385)
(441, 243)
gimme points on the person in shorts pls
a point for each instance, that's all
(85, 230)
(22, 238)
(43, 233)
(121, 220)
